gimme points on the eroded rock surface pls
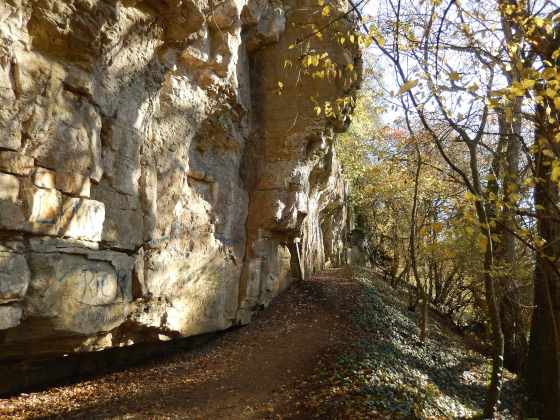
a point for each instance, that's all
(152, 178)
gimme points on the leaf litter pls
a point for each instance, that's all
(337, 346)
(384, 372)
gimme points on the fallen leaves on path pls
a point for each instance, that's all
(337, 346)
(250, 372)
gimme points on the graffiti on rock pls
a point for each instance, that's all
(98, 287)
(226, 240)
(103, 318)
(73, 214)
(178, 231)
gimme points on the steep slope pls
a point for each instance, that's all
(382, 371)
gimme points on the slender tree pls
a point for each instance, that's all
(412, 245)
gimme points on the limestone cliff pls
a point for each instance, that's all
(152, 178)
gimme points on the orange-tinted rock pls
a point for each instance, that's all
(158, 179)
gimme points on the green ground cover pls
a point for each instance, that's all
(382, 371)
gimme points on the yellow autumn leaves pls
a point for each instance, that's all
(407, 86)
(482, 239)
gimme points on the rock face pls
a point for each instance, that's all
(152, 176)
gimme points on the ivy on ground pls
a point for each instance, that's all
(382, 371)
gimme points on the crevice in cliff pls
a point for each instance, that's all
(13, 75)
(82, 91)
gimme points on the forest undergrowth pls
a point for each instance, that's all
(382, 371)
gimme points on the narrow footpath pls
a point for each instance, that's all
(258, 371)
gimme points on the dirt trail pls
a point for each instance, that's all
(257, 371)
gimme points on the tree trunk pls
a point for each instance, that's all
(403, 276)
(431, 280)
(421, 290)
(396, 259)
(515, 341)
(495, 388)
(543, 364)
(506, 161)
